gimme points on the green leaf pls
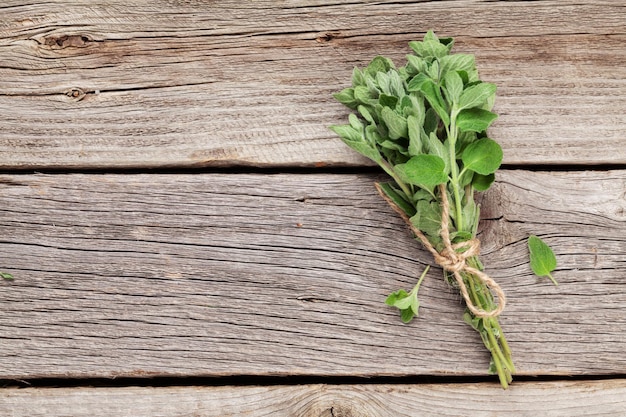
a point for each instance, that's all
(347, 132)
(423, 169)
(406, 315)
(396, 124)
(457, 62)
(355, 122)
(483, 182)
(542, 259)
(379, 64)
(6, 276)
(414, 106)
(432, 93)
(403, 301)
(477, 95)
(415, 305)
(398, 198)
(415, 84)
(429, 48)
(365, 113)
(386, 100)
(415, 142)
(382, 79)
(395, 297)
(453, 86)
(346, 97)
(356, 141)
(396, 84)
(475, 120)
(436, 147)
(415, 64)
(483, 156)
(362, 95)
(357, 77)
(428, 218)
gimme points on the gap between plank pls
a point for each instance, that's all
(291, 380)
(285, 169)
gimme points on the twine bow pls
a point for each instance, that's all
(453, 257)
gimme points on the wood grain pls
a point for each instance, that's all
(210, 275)
(550, 399)
(175, 83)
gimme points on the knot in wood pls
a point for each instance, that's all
(67, 41)
(76, 93)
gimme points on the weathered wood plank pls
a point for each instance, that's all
(131, 84)
(550, 399)
(286, 274)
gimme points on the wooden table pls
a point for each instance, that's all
(189, 239)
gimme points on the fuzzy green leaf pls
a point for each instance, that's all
(398, 198)
(379, 64)
(346, 97)
(457, 62)
(454, 86)
(428, 218)
(477, 95)
(415, 141)
(357, 77)
(483, 182)
(433, 94)
(356, 141)
(396, 124)
(424, 169)
(475, 120)
(483, 156)
(542, 259)
(429, 48)
(362, 95)
(436, 147)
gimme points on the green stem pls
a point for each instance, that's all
(553, 280)
(494, 342)
(454, 168)
(392, 173)
(419, 281)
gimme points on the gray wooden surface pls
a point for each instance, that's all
(210, 274)
(144, 84)
(549, 399)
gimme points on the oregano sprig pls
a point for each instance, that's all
(425, 124)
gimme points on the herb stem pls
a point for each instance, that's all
(419, 281)
(454, 168)
(392, 173)
(553, 280)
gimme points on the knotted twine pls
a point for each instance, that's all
(452, 258)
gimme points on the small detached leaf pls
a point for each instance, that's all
(483, 156)
(542, 259)
(407, 303)
(6, 276)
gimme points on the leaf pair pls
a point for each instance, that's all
(407, 303)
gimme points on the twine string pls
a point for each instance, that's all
(453, 258)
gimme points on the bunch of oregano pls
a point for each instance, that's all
(425, 124)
